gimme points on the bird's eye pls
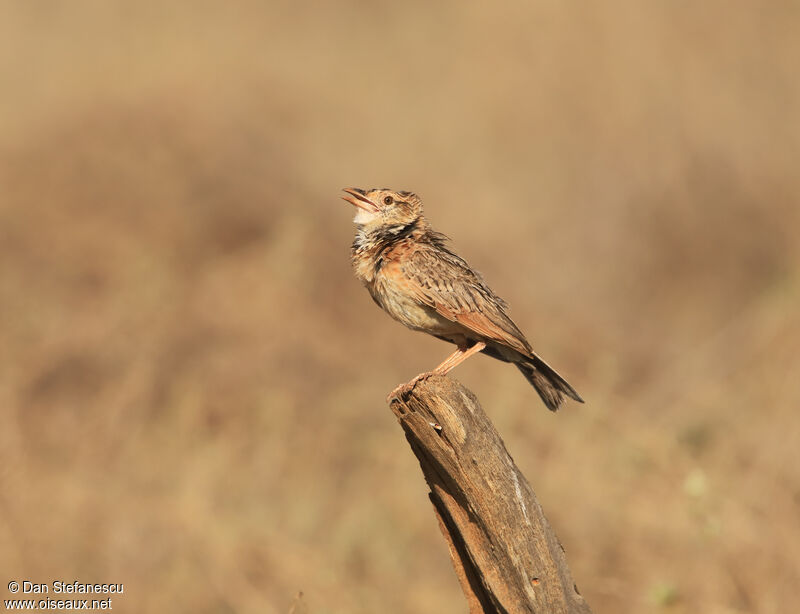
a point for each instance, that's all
(388, 200)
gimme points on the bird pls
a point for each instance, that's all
(413, 275)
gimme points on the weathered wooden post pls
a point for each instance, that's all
(506, 555)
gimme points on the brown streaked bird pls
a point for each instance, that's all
(413, 275)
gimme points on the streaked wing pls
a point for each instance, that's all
(444, 281)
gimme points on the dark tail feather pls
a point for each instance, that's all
(549, 384)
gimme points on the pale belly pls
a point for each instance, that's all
(409, 312)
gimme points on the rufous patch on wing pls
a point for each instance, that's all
(479, 323)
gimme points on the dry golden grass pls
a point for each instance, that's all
(192, 382)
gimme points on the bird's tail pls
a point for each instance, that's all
(549, 384)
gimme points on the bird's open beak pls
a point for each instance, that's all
(356, 197)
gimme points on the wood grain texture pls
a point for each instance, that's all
(506, 555)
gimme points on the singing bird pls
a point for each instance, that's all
(417, 279)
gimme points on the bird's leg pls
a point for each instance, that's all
(457, 357)
(441, 369)
(444, 366)
(447, 365)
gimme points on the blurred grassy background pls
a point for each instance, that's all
(192, 381)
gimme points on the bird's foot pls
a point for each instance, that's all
(403, 389)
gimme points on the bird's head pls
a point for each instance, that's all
(384, 208)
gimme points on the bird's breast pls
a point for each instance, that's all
(397, 297)
(380, 269)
